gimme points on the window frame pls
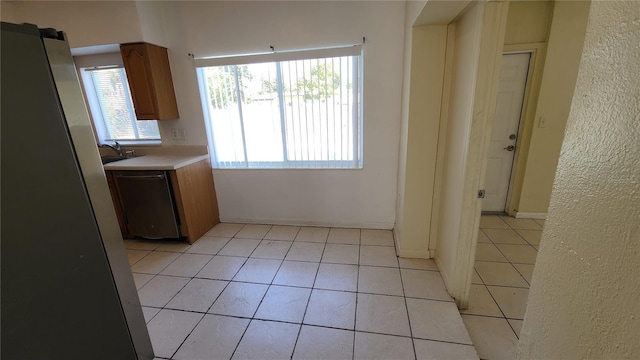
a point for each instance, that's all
(357, 51)
(84, 66)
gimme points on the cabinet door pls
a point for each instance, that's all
(137, 66)
(150, 81)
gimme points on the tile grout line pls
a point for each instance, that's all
(205, 314)
(355, 315)
(263, 296)
(406, 306)
(304, 314)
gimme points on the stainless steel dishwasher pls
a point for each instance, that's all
(148, 203)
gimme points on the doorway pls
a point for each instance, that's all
(504, 136)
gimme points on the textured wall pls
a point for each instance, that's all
(584, 296)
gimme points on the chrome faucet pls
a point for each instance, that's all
(115, 148)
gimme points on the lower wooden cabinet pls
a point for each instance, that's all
(194, 197)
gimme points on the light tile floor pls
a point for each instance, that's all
(506, 253)
(282, 292)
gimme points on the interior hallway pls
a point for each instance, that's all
(505, 256)
(262, 291)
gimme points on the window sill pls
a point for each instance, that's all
(134, 143)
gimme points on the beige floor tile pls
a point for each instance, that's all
(313, 234)
(155, 262)
(135, 255)
(239, 299)
(222, 268)
(168, 330)
(378, 256)
(258, 271)
(504, 236)
(382, 347)
(540, 222)
(532, 236)
(296, 273)
(304, 251)
(492, 337)
(516, 325)
(253, 231)
(141, 245)
(283, 303)
(501, 274)
(379, 280)
(424, 284)
(158, 291)
(377, 237)
(337, 277)
(272, 249)
(175, 246)
(489, 252)
(344, 236)
(267, 340)
(436, 350)
(481, 302)
(141, 279)
(482, 238)
(382, 314)
(280, 232)
(239, 247)
(208, 245)
(492, 222)
(322, 343)
(341, 254)
(521, 224)
(228, 230)
(187, 265)
(512, 301)
(336, 309)
(149, 313)
(197, 295)
(526, 270)
(215, 337)
(418, 264)
(520, 254)
(475, 278)
(436, 320)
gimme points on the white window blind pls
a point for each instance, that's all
(284, 110)
(111, 107)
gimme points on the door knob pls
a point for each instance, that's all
(510, 148)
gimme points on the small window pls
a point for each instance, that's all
(111, 107)
(284, 110)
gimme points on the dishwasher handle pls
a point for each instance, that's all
(141, 177)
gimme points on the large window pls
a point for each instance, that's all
(272, 111)
(111, 107)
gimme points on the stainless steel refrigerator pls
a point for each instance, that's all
(67, 292)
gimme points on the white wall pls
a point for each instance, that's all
(476, 59)
(329, 197)
(87, 23)
(468, 30)
(583, 301)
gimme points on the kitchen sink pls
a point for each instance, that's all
(111, 158)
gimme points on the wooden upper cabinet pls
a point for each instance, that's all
(149, 77)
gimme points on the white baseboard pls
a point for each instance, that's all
(298, 222)
(529, 215)
(414, 254)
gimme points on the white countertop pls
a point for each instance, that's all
(155, 162)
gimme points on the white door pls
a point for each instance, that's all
(513, 79)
